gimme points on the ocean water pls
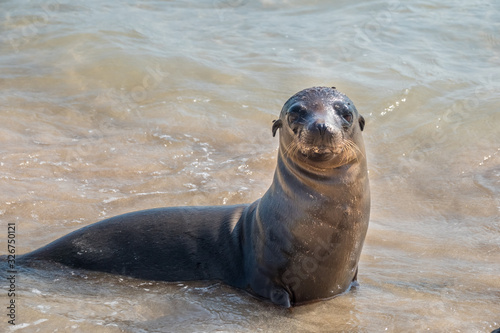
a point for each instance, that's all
(108, 107)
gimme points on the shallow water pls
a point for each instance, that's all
(110, 107)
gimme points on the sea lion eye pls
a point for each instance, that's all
(293, 117)
(296, 113)
(347, 117)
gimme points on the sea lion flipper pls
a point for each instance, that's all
(355, 278)
(280, 296)
(354, 282)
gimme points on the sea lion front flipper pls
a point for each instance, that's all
(354, 282)
(280, 296)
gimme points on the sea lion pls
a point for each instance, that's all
(299, 243)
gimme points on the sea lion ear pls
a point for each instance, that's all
(361, 122)
(276, 124)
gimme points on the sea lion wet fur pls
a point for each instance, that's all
(299, 243)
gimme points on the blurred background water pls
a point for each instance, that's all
(108, 107)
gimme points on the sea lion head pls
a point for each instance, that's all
(320, 127)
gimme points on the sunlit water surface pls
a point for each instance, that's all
(111, 107)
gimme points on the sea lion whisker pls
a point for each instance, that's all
(356, 148)
(351, 155)
(291, 149)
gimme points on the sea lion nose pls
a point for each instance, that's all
(321, 128)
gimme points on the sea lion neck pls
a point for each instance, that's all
(306, 179)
